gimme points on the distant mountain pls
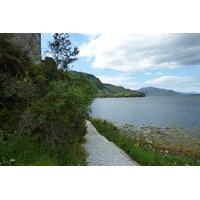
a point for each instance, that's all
(152, 91)
(108, 90)
(190, 93)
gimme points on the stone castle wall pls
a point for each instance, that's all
(30, 42)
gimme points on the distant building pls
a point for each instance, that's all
(30, 42)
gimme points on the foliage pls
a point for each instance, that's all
(130, 94)
(99, 85)
(42, 108)
(60, 49)
(136, 149)
(60, 114)
(16, 87)
(23, 151)
(48, 69)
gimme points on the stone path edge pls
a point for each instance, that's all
(92, 132)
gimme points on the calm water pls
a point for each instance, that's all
(156, 111)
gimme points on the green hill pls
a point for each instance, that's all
(119, 91)
(108, 90)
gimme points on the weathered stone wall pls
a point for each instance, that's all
(30, 42)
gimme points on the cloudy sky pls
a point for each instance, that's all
(135, 60)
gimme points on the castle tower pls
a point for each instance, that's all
(29, 42)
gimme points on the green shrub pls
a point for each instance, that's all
(22, 151)
(42, 110)
(59, 117)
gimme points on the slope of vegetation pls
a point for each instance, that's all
(108, 90)
(42, 108)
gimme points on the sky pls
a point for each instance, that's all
(131, 60)
(136, 60)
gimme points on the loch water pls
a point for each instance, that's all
(160, 111)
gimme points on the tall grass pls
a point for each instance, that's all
(21, 151)
(137, 151)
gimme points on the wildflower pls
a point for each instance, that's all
(20, 95)
(12, 160)
(137, 144)
(166, 151)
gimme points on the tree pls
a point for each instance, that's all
(61, 50)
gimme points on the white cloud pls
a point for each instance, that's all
(138, 52)
(148, 74)
(189, 89)
(170, 80)
(91, 35)
(119, 80)
(158, 73)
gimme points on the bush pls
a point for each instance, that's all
(40, 105)
(16, 87)
(23, 151)
(59, 116)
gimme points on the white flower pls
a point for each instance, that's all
(12, 160)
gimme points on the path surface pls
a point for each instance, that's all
(103, 152)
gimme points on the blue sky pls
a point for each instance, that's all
(170, 61)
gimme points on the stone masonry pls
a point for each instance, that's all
(30, 42)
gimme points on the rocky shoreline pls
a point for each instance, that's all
(170, 140)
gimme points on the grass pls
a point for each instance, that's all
(21, 151)
(139, 149)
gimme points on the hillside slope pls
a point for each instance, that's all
(108, 90)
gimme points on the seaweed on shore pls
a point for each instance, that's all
(171, 140)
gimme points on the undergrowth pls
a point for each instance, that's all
(21, 151)
(42, 107)
(137, 151)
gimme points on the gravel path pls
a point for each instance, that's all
(103, 152)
